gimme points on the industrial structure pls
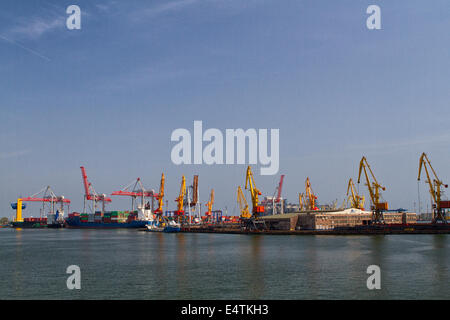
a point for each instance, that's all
(435, 190)
(91, 195)
(374, 191)
(51, 213)
(272, 213)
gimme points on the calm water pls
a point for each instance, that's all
(127, 264)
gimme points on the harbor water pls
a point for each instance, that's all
(129, 264)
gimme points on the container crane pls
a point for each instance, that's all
(250, 184)
(435, 189)
(374, 191)
(310, 196)
(138, 191)
(180, 198)
(91, 195)
(243, 204)
(356, 200)
(48, 197)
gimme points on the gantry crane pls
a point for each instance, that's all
(160, 198)
(138, 191)
(180, 198)
(356, 200)
(90, 194)
(374, 192)
(435, 190)
(243, 204)
(48, 197)
(250, 184)
(209, 204)
(310, 196)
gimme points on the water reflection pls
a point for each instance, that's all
(440, 263)
(180, 244)
(254, 274)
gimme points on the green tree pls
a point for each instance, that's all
(4, 220)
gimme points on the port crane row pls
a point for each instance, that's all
(188, 197)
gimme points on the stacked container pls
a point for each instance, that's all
(84, 217)
(107, 217)
(114, 216)
(98, 216)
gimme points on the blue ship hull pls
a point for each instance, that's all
(171, 229)
(76, 223)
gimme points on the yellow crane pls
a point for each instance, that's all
(374, 191)
(160, 196)
(210, 203)
(435, 189)
(250, 183)
(356, 200)
(180, 198)
(310, 196)
(300, 201)
(243, 204)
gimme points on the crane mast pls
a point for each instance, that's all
(160, 197)
(301, 201)
(374, 191)
(90, 193)
(356, 200)
(250, 184)
(210, 203)
(243, 204)
(310, 196)
(180, 198)
(435, 189)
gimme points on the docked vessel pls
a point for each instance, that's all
(172, 227)
(107, 220)
(29, 223)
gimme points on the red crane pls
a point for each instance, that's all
(90, 194)
(135, 193)
(280, 187)
(48, 196)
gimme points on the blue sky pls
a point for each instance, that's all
(109, 95)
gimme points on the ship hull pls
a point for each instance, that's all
(29, 225)
(74, 223)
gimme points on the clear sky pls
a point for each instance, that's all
(108, 96)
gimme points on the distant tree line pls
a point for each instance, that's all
(4, 220)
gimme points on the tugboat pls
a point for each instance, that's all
(172, 227)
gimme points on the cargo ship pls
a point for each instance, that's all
(107, 220)
(28, 223)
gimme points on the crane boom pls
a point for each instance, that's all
(90, 193)
(435, 185)
(250, 183)
(180, 198)
(160, 196)
(280, 187)
(210, 203)
(243, 204)
(374, 191)
(194, 191)
(356, 200)
(311, 205)
(301, 201)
